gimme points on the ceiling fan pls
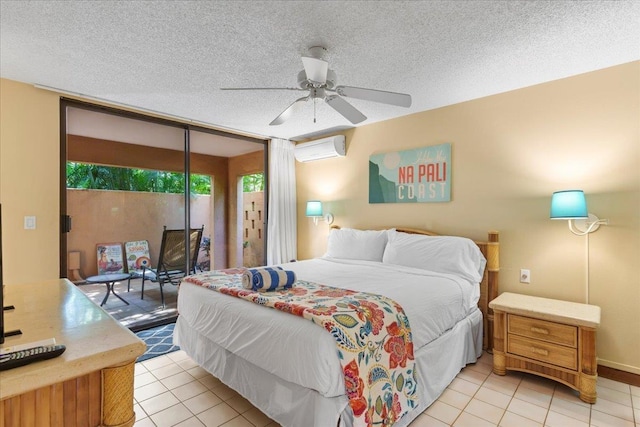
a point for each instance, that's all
(320, 82)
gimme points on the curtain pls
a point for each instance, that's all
(282, 224)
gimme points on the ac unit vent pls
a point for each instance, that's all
(333, 146)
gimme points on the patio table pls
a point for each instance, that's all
(109, 280)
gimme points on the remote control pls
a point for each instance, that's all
(29, 355)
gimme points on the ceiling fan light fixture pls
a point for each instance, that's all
(320, 81)
(316, 70)
(305, 83)
(331, 79)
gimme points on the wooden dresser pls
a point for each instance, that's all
(90, 384)
(551, 338)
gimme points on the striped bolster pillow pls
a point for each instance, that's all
(268, 279)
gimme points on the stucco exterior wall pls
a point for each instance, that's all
(105, 216)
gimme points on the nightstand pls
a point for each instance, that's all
(551, 338)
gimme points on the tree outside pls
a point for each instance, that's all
(96, 177)
(254, 182)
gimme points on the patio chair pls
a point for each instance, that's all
(171, 260)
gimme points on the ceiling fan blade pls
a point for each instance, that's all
(291, 109)
(347, 110)
(384, 97)
(316, 69)
(260, 88)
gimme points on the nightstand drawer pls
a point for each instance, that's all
(542, 330)
(543, 351)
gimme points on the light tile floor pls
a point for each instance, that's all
(172, 390)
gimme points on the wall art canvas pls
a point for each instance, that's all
(109, 258)
(411, 176)
(137, 253)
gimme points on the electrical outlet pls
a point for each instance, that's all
(525, 276)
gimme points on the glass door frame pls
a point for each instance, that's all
(65, 220)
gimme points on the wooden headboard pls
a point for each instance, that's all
(489, 285)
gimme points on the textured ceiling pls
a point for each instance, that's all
(173, 57)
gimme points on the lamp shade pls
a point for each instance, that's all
(314, 208)
(568, 204)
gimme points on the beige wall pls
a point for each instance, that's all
(509, 153)
(29, 181)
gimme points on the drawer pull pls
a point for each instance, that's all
(540, 330)
(541, 351)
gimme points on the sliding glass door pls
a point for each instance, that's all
(125, 179)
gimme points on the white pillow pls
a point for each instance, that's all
(348, 243)
(442, 254)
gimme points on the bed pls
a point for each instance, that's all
(288, 367)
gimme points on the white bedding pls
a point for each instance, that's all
(300, 352)
(294, 406)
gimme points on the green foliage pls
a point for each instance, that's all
(89, 176)
(251, 183)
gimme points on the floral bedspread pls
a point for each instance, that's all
(372, 335)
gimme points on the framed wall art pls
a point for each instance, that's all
(109, 258)
(137, 253)
(411, 176)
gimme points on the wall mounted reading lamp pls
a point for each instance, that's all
(572, 206)
(314, 210)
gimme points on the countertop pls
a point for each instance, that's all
(57, 309)
(548, 309)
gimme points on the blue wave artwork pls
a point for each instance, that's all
(411, 176)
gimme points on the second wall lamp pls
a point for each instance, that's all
(314, 210)
(572, 206)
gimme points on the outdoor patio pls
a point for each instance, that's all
(140, 313)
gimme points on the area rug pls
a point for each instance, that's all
(159, 341)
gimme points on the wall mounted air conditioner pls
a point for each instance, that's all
(324, 148)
